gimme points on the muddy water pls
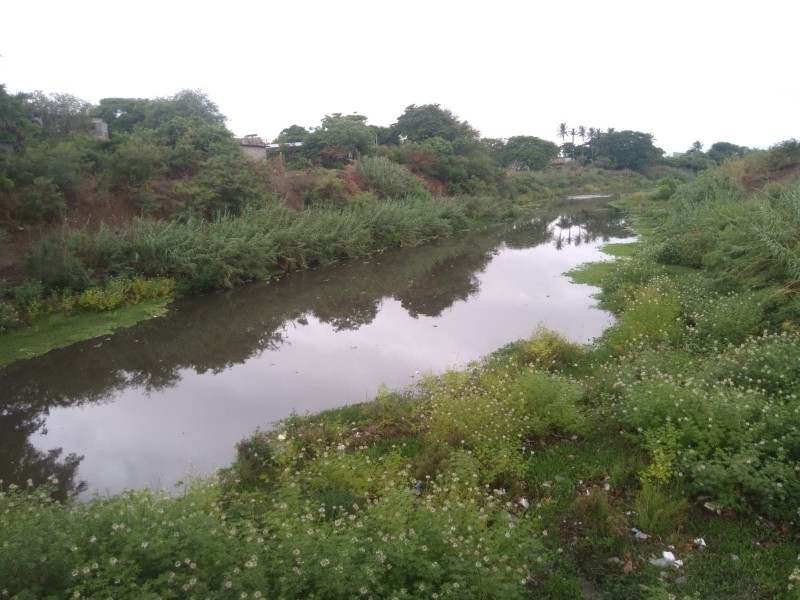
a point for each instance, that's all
(171, 397)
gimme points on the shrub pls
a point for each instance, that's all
(328, 191)
(666, 187)
(120, 291)
(41, 201)
(9, 316)
(388, 179)
(785, 154)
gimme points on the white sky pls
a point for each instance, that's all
(683, 70)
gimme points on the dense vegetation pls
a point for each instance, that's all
(547, 470)
(169, 203)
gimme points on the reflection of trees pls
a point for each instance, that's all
(570, 223)
(213, 332)
(21, 461)
(447, 282)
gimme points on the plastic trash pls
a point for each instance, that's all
(639, 535)
(418, 486)
(699, 543)
(668, 559)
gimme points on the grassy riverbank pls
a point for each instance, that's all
(197, 255)
(528, 474)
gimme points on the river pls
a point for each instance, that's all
(170, 398)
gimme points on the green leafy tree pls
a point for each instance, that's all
(15, 123)
(385, 136)
(40, 201)
(63, 161)
(627, 149)
(192, 140)
(338, 140)
(124, 114)
(186, 103)
(420, 123)
(293, 133)
(527, 152)
(719, 152)
(226, 183)
(59, 114)
(138, 157)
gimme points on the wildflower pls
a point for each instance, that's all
(281, 436)
(145, 545)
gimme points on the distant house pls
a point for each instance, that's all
(253, 147)
(292, 149)
(99, 128)
(560, 160)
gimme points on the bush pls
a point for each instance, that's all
(785, 154)
(388, 179)
(120, 291)
(666, 187)
(9, 316)
(41, 201)
(328, 191)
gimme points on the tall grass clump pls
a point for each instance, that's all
(228, 250)
(388, 179)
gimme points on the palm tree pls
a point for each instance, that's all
(562, 131)
(572, 132)
(592, 135)
(696, 146)
(582, 133)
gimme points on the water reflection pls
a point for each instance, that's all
(273, 335)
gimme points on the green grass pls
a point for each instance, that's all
(59, 330)
(595, 273)
(621, 249)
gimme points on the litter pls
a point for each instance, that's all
(699, 543)
(667, 560)
(639, 535)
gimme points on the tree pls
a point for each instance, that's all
(58, 114)
(338, 139)
(123, 114)
(292, 134)
(721, 151)
(420, 123)
(186, 103)
(696, 147)
(562, 132)
(582, 133)
(528, 152)
(14, 121)
(627, 149)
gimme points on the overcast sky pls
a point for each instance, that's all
(681, 70)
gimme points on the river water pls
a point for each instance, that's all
(171, 397)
